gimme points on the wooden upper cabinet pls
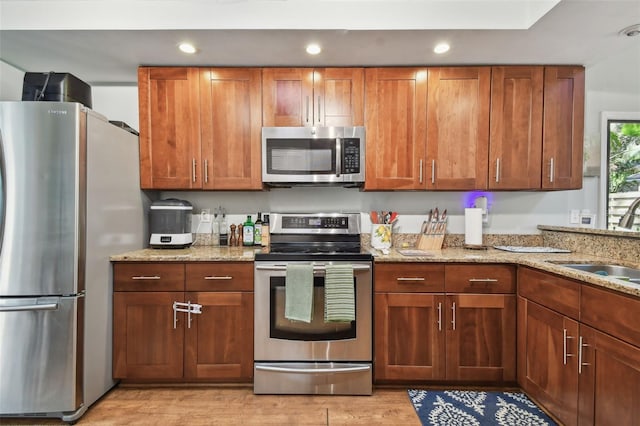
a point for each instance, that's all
(169, 128)
(395, 117)
(230, 109)
(313, 97)
(515, 141)
(458, 128)
(563, 127)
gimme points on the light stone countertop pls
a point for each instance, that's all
(543, 261)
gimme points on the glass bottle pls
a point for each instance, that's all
(266, 236)
(247, 232)
(257, 230)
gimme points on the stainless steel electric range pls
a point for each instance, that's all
(316, 357)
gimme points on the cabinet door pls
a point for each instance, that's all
(563, 127)
(609, 380)
(548, 369)
(515, 141)
(169, 128)
(409, 337)
(458, 128)
(230, 115)
(287, 97)
(219, 341)
(395, 117)
(146, 342)
(338, 97)
(481, 337)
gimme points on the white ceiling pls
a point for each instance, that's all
(104, 41)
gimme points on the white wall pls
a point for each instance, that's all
(611, 85)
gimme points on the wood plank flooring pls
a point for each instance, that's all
(160, 406)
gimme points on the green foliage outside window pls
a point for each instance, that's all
(624, 156)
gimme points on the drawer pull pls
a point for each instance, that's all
(226, 277)
(410, 279)
(146, 277)
(483, 280)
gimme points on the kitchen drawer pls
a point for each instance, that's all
(150, 276)
(557, 293)
(409, 277)
(480, 278)
(219, 276)
(613, 313)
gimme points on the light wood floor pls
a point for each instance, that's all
(239, 406)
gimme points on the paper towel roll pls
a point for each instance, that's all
(473, 227)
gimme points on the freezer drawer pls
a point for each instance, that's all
(41, 352)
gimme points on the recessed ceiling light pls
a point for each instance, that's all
(313, 49)
(631, 31)
(441, 48)
(187, 48)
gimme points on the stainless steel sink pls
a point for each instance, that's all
(607, 270)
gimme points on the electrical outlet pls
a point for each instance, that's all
(205, 216)
(574, 216)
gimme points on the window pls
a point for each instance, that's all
(620, 170)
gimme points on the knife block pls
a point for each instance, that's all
(430, 242)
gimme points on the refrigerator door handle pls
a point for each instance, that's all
(31, 307)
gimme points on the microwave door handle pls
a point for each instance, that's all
(338, 156)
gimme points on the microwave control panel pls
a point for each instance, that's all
(351, 155)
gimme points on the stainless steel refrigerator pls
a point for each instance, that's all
(69, 198)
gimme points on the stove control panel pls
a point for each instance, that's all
(315, 222)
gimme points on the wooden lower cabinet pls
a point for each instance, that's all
(409, 342)
(145, 343)
(549, 367)
(152, 343)
(481, 337)
(581, 375)
(219, 343)
(609, 380)
(425, 334)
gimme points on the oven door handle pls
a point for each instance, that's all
(316, 268)
(314, 370)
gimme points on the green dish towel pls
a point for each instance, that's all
(298, 302)
(339, 294)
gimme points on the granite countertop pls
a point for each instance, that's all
(543, 261)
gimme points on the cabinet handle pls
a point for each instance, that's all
(440, 316)
(206, 171)
(211, 277)
(565, 354)
(551, 170)
(453, 320)
(420, 171)
(145, 277)
(319, 119)
(482, 280)
(307, 109)
(433, 171)
(581, 345)
(193, 169)
(497, 170)
(410, 279)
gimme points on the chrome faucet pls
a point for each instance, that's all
(626, 221)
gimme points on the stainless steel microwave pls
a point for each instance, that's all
(313, 155)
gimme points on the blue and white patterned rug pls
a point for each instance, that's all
(473, 408)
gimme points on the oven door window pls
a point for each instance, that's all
(301, 156)
(317, 329)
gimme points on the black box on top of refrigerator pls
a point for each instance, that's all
(56, 87)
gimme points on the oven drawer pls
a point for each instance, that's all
(319, 378)
(409, 278)
(219, 276)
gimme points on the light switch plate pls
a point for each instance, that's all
(574, 216)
